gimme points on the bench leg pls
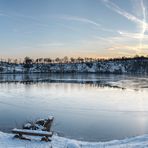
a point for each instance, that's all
(20, 136)
(45, 138)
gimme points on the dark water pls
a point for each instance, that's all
(86, 107)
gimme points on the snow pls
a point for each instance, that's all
(27, 125)
(129, 66)
(32, 131)
(50, 117)
(7, 141)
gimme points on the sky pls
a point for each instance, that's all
(73, 28)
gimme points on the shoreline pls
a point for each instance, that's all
(7, 140)
(135, 66)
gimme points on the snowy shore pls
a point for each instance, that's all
(7, 141)
(137, 66)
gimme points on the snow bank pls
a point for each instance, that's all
(116, 66)
(7, 141)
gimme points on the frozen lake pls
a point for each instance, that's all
(85, 106)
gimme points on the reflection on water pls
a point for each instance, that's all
(103, 80)
(85, 107)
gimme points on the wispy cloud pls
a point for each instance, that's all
(3, 14)
(141, 24)
(122, 12)
(127, 48)
(21, 17)
(80, 19)
(51, 44)
(132, 35)
(94, 24)
(144, 25)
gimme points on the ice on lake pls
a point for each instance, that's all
(87, 107)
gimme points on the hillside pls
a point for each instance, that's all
(136, 66)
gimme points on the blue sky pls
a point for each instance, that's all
(86, 28)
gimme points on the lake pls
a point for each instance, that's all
(89, 107)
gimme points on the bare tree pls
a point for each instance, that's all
(72, 60)
(15, 61)
(57, 60)
(65, 59)
(80, 60)
(9, 60)
(49, 60)
(27, 63)
(40, 60)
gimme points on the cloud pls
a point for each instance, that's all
(18, 17)
(132, 35)
(122, 12)
(128, 48)
(123, 44)
(142, 24)
(3, 14)
(51, 44)
(80, 19)
(95, 24)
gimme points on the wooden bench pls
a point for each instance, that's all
(45, 132)
(20, 132)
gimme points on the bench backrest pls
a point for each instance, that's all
(48, 124)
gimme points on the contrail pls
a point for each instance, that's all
(144, 24)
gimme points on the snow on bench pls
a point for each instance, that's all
(31, 129)
(20, 132)
(31, 132)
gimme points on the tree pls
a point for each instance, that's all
(36, 61)
(49, 60)
(57, 60)
(27, 63)
(28, 60)
(9, 60)
(15, 61)
(65, 59)
(80, 60)
(44, 60)
(72, 60)
(40, 60)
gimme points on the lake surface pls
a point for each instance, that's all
(85, 106)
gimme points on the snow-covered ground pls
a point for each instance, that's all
(121, 66)
(7, 141)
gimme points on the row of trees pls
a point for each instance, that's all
(48, 60)
(59, 60)
(28, 60)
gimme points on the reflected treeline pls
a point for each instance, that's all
(87, 79)
(134, 82)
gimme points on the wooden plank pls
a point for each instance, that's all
(31, 132)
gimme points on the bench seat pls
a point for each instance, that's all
(31, 132)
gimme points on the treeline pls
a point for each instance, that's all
(28, 60)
